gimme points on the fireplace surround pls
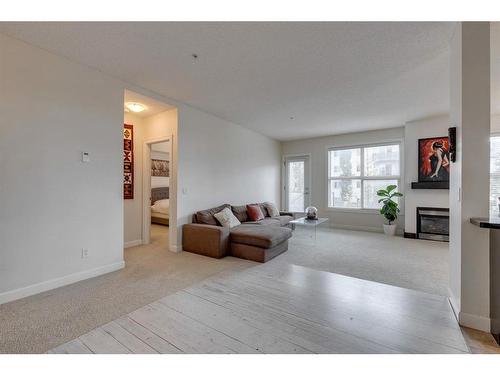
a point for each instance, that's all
(433, 223)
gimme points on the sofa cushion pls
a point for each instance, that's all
(240, 212)
(255, 212)
(260, 235)
(264, 209)
(266, 221)
(272, 210)
(207, 216)
(284, 220)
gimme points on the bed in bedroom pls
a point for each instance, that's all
(160, 205)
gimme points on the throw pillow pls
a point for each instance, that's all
(207, 216)
(240, 212)
(272, 210)
(254, 212)
(226, 218)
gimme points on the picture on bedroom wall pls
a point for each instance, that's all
(128, 161)
(434, 159)
(160, 168)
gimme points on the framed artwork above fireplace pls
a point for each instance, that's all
(434, 159)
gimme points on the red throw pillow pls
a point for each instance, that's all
(254, 212)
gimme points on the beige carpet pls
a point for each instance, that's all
(414, 264)
(39, 323)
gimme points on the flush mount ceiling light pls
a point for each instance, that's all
(135, 107)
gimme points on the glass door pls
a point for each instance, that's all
(297, 183)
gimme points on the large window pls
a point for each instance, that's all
(355, 174)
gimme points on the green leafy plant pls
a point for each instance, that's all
(390, 208)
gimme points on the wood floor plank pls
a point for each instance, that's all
(154, 341)
(230, 324)
(326, 315)
(187, 334)
(411, 303)
(73, 347)
(407, 307)
(101, 342)
(392, 318)
(317, 338)
(127, 339)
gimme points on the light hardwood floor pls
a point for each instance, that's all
(277, 308)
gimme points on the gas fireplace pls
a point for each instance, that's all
(433, 223)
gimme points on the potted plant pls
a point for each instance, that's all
(389, 208)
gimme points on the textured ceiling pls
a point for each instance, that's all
(285, 80)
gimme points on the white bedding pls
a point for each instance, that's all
(161, 206)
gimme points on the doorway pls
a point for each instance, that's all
(150, 172)
(297, 182)
(156, 192)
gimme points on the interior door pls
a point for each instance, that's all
(297, 183)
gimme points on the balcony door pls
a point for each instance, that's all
(297, 183)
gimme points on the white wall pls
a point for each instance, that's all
(495, 123)
(220, 162)
(469, 179)
(414, 130)
(52, 204)
(317, 148)
(132, 208)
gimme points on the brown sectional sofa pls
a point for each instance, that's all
(258, 241)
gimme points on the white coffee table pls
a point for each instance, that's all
(305, 222)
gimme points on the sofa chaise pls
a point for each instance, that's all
(258, 241)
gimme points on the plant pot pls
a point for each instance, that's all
(390, 229)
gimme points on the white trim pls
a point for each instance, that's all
(58, 282)
(176, 248)
(358, 228)
(454, 302)
(128, 244)
(480, 323)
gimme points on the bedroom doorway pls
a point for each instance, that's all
(149, 133)
(157, 168)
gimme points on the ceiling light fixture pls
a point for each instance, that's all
(135, 107)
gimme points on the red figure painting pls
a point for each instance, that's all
(434, 159)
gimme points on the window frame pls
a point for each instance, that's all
(362, 177)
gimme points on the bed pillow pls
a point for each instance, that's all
(272, 210)
(254, 212)
(226, 218)
(162, 203)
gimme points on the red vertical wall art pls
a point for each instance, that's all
(128, 161)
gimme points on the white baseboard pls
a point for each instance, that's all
(175, 248)
(480, 323)
(357, 227)
(128, 244)
(455, 304)
(399, 231)
(30, 290)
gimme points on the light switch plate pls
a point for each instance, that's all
(85, 156)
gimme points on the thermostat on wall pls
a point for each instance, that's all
(85, 156)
